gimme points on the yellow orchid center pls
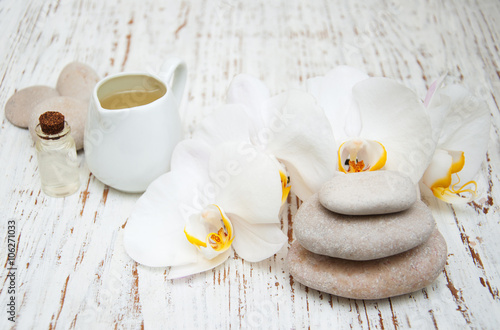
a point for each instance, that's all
(438, 177)
(360, 155)
(285, 186)
(211, 231)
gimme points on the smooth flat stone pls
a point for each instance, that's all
(377, 192)
(20, 105)
(74, 111)
(77, 80)
(361, 237)
(374, 279)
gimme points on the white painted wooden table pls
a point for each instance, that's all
(71, 267)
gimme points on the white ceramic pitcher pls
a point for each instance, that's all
(128, 148)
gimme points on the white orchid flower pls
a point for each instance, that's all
(377, 122)
(461, 126)
(290, 127)
(214, 199)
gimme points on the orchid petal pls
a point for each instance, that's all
(252, 93)
(211, 231)
(247, 90)
(438, 177)
(465, 115)
(200, 266)
(193, 156)
(154, 232)
(435, 86)
(333, 93)
(457, 160)
(228, 123)
(452, 198)
(439, 170)
(247, 183)
(359, 155)
(297, 183)
(303, 141)
(285, 185)
(394, 116)
(256, 242)
(438, 106)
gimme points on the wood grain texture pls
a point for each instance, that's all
(73, 272)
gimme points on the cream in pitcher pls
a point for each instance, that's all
(133, 126)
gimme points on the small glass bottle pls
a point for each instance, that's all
(56, 152)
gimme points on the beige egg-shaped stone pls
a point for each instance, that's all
(74, 111)
(377, 192)
(374, 279)
(77, 80)
(21, 104)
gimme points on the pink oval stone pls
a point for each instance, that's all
(21, 104)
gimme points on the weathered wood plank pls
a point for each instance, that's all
(72, 269)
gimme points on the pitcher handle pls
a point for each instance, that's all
(173, 72)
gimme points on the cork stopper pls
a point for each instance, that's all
(51, 122)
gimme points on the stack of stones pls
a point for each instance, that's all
(366, 236)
